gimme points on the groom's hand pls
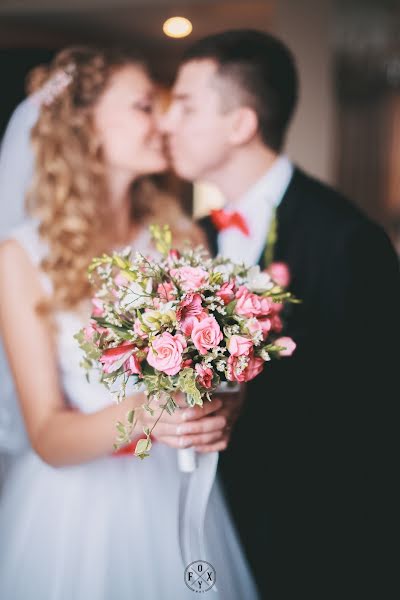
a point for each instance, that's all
(232, 404)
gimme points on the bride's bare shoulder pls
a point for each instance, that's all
(12, 253)
(17, 270)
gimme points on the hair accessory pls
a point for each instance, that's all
(54, 86)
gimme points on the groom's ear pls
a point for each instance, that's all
(244, 125)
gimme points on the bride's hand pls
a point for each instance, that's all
(199, 426)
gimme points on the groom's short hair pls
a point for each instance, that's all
(263, 71)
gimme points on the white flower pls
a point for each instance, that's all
(226, 269)
(258, 281)
(166, 307)
(264, 355)
(136, 295)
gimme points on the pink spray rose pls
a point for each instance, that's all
(227, 292)
(166, 351)
(190, 278)
(239, 345)
(266, 326)
(251, 305)
(204, 376)
(288, 343)
(276, 323)
(173, 255)
(276, 307)
(166, 291)
(206, 334)
(280, 273)
(254, 367)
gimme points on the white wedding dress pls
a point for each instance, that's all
(106, 529)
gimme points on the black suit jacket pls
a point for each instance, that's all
(310, 471)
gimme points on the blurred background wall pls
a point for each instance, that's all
(347, 127)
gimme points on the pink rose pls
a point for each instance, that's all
(239, 345)
(254, 367)
(288, 343)
(190, 278)
(266, 326)
(276, 307)
(253, 326)
(204, 376)
(280, 273)
(251, 305)
(276, 324)
(227, 292)
(265, 306)
(133, 365)
(166, 291)
(112, 355)
(206, 334)
(165, 353)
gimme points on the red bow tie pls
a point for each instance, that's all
(224, 220)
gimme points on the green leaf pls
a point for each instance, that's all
(143, 455)
(187, 384)
(143, 446)
(230, 308)
(162, 238)
(119, 261)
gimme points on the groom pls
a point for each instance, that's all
(308, 470)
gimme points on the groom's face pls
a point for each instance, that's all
(197, 128)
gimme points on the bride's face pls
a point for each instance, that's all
(125, 120)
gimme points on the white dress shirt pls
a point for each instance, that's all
(257, 207)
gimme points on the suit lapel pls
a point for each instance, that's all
(286, 222)
(211, 233)
(286, 217)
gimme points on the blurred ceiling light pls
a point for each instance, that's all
(177, 27)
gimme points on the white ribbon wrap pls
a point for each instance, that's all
(198, 475)
(195, 491)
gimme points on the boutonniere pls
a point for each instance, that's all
(272, 237)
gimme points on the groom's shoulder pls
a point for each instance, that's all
(322, 204)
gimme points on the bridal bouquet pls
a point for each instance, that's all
(182, 322)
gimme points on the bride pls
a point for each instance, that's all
(78, 520)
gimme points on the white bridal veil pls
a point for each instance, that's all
(16, 169)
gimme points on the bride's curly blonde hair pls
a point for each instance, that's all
(68, 192)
